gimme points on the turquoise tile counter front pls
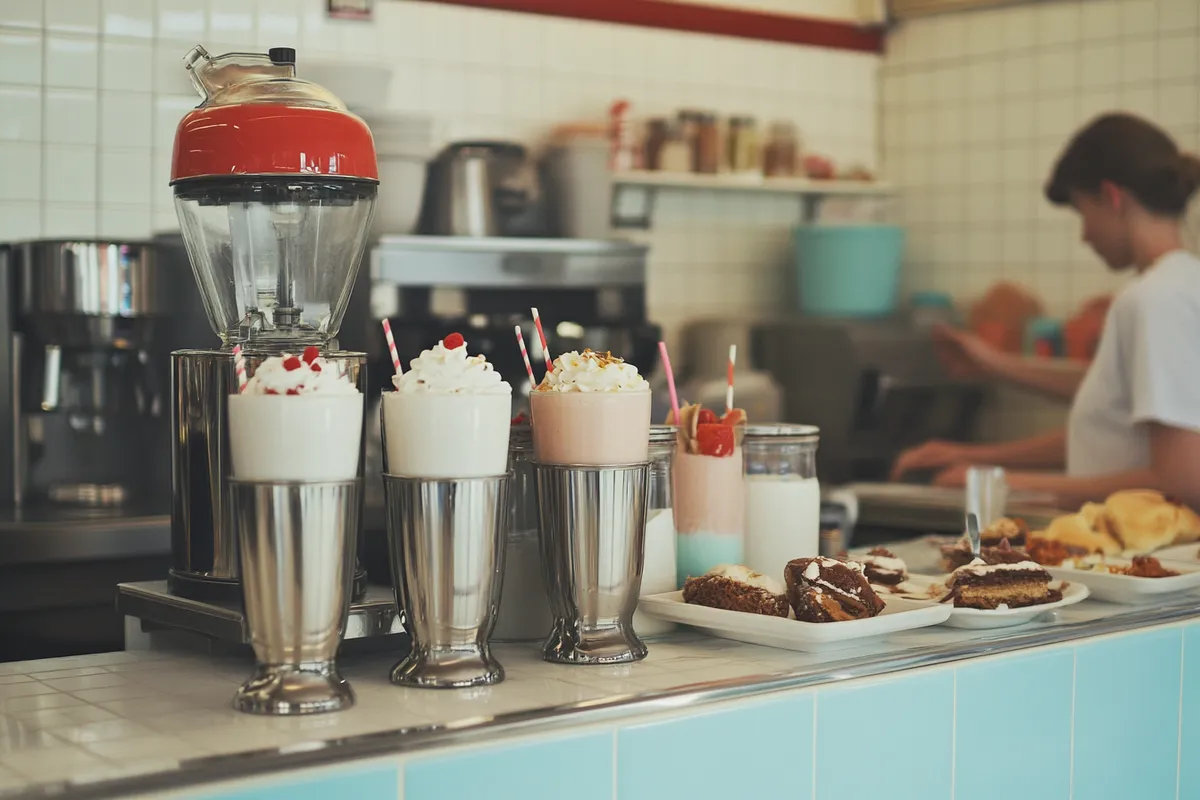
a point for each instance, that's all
(1102, 719)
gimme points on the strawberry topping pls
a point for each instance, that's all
(271, 391)
(715, 439)
(520, 419)
(707, 417)
(293, 391)
(311, 353)
(733, 417)
(290, 363)
(315, 367)
(453, 341)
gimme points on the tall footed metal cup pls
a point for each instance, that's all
(297, 545)
(295, 433)
(446, 538)
(592, 525)
(591, 434)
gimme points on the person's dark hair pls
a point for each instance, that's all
(1132, 153)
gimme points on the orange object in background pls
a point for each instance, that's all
(1002, 314)
(1081, 333)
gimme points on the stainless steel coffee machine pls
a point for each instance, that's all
(275, 183)
(83, 384)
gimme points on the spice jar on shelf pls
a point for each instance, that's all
(781, 156)
(742, 152)
(676, 153)
(708, 146)
(657, 131)
(688, 123)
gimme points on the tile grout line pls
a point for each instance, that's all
(1179, 737)
(816, 700)
(1074, 672)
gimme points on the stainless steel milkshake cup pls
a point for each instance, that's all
(297, 543)
(446, 539)
(592, 528)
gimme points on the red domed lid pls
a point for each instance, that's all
(258, 119)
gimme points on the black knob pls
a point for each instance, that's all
(282, 55)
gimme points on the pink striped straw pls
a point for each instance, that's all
(537, 321)
(239, 367)
(729, 386)
(666, 361)
(391, 343)
(525, 355)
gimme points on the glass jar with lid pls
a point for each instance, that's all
(781, 156)
(783, 496)
(743, 154)
(658, 570)
(524, 613)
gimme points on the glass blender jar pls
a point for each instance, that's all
(275, 184)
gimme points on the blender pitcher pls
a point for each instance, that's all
(275, 184)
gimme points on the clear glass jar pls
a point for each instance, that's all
(783, 496)
(781, 156)
(658, 566)
(524, 613)
(743, 153)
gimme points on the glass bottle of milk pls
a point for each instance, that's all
(658, 570)
(783, 497)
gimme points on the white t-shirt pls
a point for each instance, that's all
(1147, 369)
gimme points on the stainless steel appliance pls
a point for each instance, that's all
(482, 189)
(84, 438)
(274, 184)
(873, 388)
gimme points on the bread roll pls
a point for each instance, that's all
(1089, 531)
(1144, 520)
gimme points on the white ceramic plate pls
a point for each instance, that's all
(788, 634)
(1127, 589)
(1186, 553)
(978, 619)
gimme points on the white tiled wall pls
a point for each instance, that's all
(975, 108)
(91, 91)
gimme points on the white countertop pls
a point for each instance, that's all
(165, 717)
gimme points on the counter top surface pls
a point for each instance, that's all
(110, 724)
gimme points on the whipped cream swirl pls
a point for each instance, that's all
(289, 374)
(592, 372)
(741, 574)
(443, 370)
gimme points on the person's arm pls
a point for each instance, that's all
(1058, 379)
(1044, 451)
(1174, 470)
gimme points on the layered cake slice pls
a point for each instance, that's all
(882, 567)
(1007, 585)
(737, 588)
(826, 590)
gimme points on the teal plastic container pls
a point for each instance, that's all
(848, 270)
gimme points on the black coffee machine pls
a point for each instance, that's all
(589, 294)
(85, 492)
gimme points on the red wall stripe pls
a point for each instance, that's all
(701, 19)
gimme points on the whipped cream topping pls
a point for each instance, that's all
(981, 567)
(884, 563)
(812, 570)
(736, 572)
(592, 372)
(299, 375)
(449, 370)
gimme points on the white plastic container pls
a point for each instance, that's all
(315, 437)
(428, 435)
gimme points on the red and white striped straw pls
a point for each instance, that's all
(239, 367)
(729, 387)
(525, 355)
(537, 321)
(391, 343)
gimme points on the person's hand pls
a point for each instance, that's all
(952, 477)
(934, 454)
(963, 354)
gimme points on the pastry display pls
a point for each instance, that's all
(1014, 531)
(959, 554)
(994, 586)
(1052, 552)
(1132, 521)
(737, 588)
(882, 567)
(826, 590)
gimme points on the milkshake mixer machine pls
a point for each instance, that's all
(275, 183)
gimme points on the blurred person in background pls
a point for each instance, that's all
(1135, 408)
